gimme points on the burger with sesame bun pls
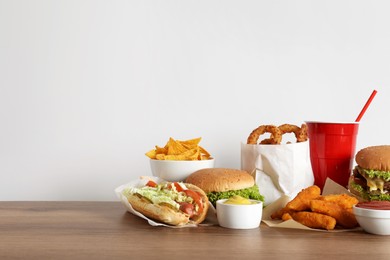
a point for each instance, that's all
(371, 177)
(223, 183)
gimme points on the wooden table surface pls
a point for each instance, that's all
(104, 230)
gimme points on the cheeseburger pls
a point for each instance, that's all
(222, 183)
(371, 177)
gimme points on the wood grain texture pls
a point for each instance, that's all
(104, 230)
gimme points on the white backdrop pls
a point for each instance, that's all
(87, 87)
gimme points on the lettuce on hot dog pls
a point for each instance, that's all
(172, 203)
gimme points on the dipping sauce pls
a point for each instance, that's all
(379, 205)
(238, 200)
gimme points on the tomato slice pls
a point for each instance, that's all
(178, 187)
(151, 184)
(196, 197)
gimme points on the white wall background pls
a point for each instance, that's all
(87, 87)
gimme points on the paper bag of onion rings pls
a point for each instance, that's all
(280, 164)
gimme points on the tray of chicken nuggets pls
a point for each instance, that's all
(313, 210)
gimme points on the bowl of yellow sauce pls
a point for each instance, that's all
(239, 213)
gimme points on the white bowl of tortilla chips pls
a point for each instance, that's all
(177, 170)
(178, 159)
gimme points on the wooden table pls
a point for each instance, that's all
(104, 230)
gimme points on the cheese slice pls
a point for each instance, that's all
(375, 184)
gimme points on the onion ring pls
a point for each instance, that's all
(299, 132)
(268, 140)
(276, 134)
(302, 136)
(288, 128)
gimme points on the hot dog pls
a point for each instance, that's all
(172, 203)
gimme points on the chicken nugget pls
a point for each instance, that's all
(279, 213)
(344, 200)
(343, 216)
(286, 216)
(302, 200)
(314, 220)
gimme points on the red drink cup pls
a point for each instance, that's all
(332, 150)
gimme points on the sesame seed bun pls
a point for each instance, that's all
(374, 158)
(221, 179)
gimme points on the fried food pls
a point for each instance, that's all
(302, 200)
(280, 213)
(286, 216)
(344, 200)
(314, 220)
(314, 210)
(299, 132)
(268, 141)
(275, 135)
(344, 217)
(180, 151)
(302, 136)
(288, 128)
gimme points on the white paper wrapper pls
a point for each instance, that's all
(279, 170)
(330, 187)
(211, 218)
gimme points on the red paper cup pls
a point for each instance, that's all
(332, 150)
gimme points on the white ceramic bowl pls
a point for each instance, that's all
(170, 170)
(239, 216)
(373, 221)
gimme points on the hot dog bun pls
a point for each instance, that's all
(167, 214)
(161, 213)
